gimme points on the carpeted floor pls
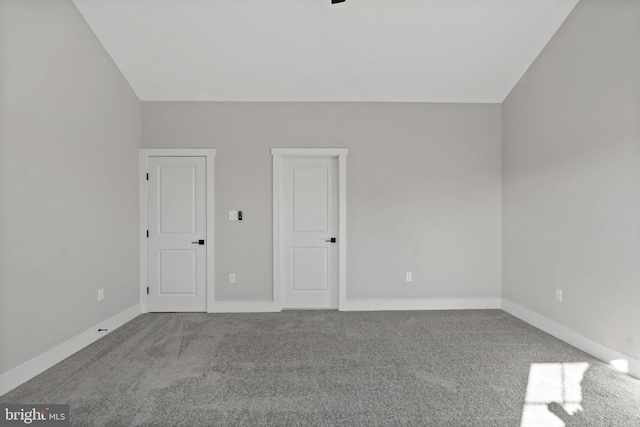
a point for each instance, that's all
(327, 368)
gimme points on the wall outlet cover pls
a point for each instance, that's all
(559, 294)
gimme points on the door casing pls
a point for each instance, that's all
(341, 154)
(209, 154)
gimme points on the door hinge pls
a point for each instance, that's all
(147, 233)
(147, 176)
(147, 290)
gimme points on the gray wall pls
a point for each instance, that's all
(69, 139)
(572, 177)
(424, 189)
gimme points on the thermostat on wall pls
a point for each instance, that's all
(235, 215)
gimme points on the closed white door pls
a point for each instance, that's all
(177, 232)
(309, 223)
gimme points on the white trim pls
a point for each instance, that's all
(245, 307)
(421, 304)
(39, 364)
(309, 152)
(341, 154)
(276, 288)
(211, 245)
(178, 152)
(209, 154)
(614, 358)
(144, 243)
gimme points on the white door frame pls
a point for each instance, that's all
(145, 153)
(341, 154)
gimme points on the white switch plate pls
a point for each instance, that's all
(232, 278)
(559, 294)
(409, 277)
(233, 215)
(100, 294)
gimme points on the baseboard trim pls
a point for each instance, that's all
(39, 364)
(245, 307)
(608, 355)
(421, 304)
(367, 305)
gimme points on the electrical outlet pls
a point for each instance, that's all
(100, 294)
(232, 278)
(233, 215)
(409, 277)
(559, 294)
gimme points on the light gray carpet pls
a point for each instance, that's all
(326, 368)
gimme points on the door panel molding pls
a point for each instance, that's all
(209, 155)
(341, 154)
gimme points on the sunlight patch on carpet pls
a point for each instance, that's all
(552, 384)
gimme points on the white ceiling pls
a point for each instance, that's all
(311, 50)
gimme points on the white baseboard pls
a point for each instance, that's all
(245, 307)
(367, 305)
(39, 364)
(614, 358)
(421, 304)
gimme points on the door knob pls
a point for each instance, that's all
(331, 240)
(199, 242)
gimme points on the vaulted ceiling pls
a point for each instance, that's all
(311, 50)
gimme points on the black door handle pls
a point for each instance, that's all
(199, 242)
(331, 240)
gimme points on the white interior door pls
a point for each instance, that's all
(177, 231)
(309, 220)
